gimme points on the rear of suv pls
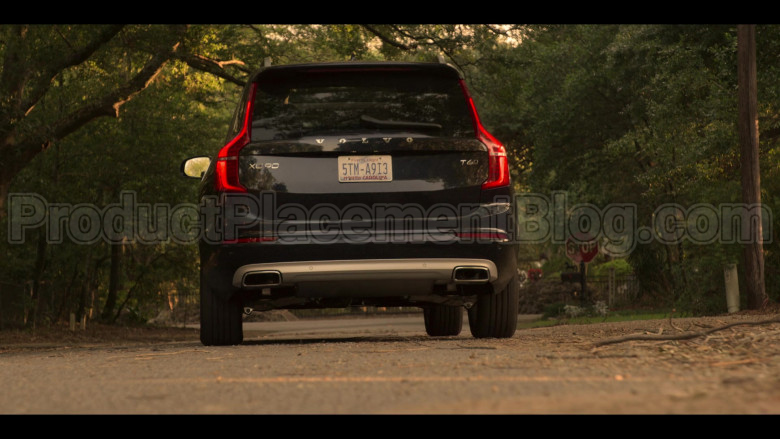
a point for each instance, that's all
(357, 184)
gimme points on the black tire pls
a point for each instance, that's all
(495, 315)
(220, 321)
(443, 320)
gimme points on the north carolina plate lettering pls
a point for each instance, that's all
(365, 168)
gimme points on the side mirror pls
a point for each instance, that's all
(195, 167)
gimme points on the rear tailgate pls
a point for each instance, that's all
(362, 168)
(370, 136)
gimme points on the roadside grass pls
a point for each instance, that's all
(616, 316)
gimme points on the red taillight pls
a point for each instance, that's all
(498, 165)
(226, 175)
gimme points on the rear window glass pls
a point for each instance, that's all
(359, 102)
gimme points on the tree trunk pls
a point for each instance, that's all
(65, 302)
(751, 177)
(86, 285)
(113, 283)
(40, 265)
(5, 186)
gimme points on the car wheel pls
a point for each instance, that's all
(220, 320)
(495, 315)
(443, 320)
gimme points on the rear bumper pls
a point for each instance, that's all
(365, 270)
(438, 271)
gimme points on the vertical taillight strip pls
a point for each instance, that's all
(498, 165)
(227, 159)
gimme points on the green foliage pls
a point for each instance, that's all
(553, 310)
(611, 114)
(621, 267)
(645, 115)
(183, 114)
(553, 318)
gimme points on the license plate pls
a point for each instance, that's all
(365, 168)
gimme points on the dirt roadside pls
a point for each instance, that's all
(95, 335)
(542, 370)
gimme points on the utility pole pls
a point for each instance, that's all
(751, 176)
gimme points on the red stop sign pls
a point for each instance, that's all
(582, 247)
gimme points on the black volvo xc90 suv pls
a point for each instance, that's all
(355, 184)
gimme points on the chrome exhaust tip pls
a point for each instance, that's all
(261, 279)
(470, 275)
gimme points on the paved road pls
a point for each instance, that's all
(392, 367)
